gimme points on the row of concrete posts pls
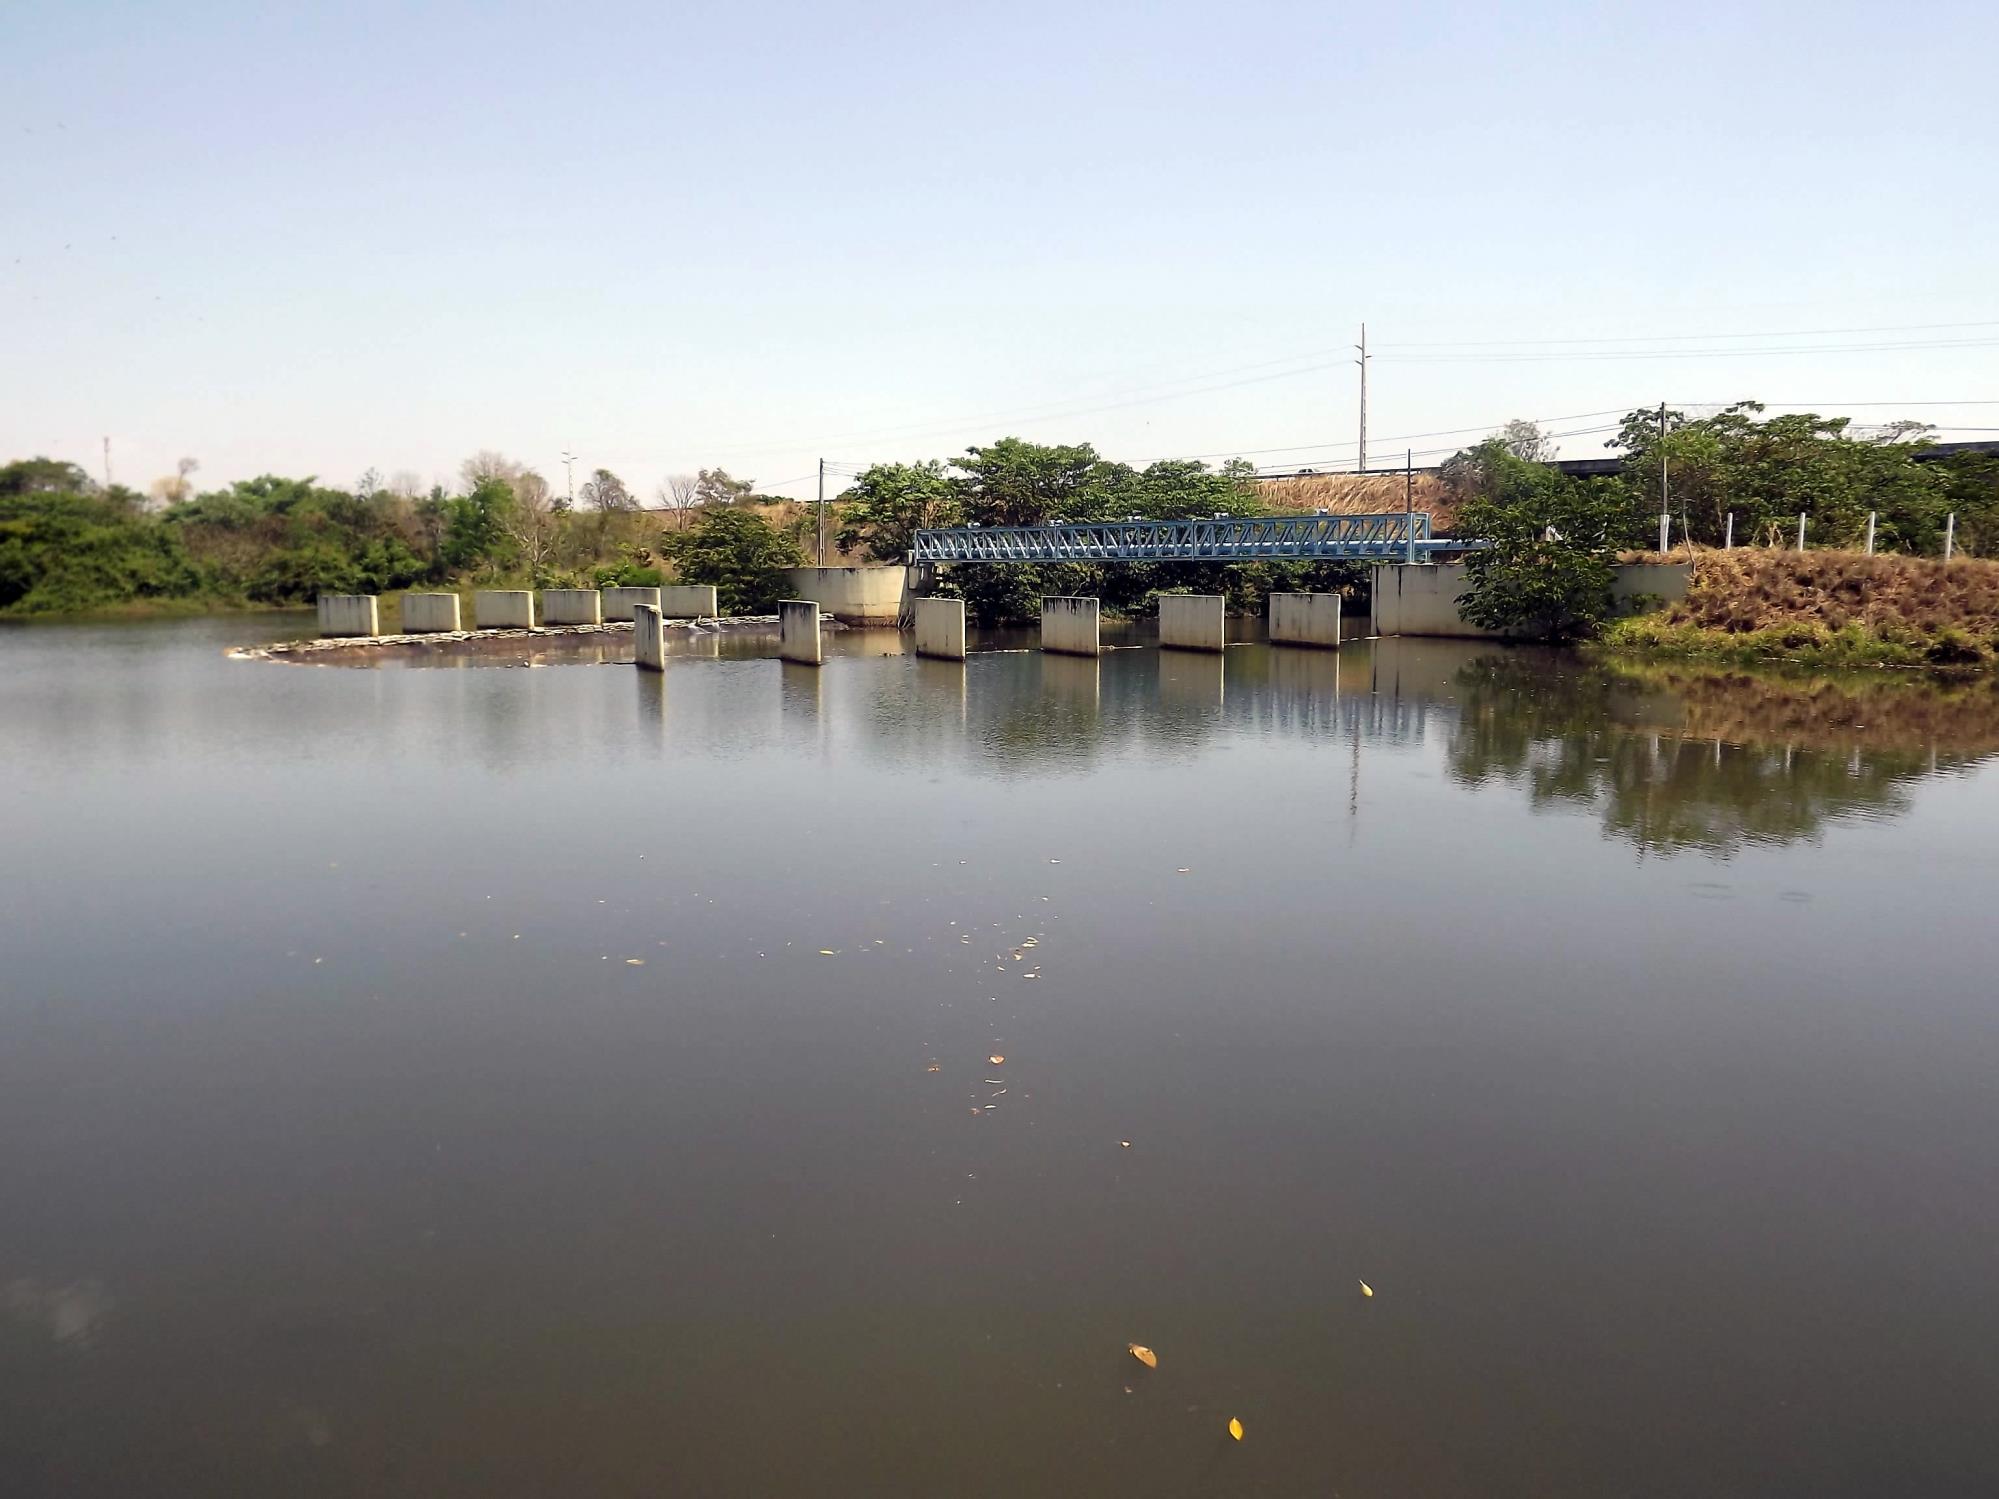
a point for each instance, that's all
(1187, 622)
(342, 614)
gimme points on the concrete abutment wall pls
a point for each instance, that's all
(430, 613)
(1071, 626)
(1305, 619)
(503, 609)
(940, 628)
(342, 614)
(856, 595)
(1422, 599)
(571, 606)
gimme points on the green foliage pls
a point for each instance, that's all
(739, 552)
(475, 526)
(890, 502)
(1546, 572)
(65, 551)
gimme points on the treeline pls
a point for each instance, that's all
(69, 545)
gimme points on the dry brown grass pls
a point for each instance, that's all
(1356, 494)
(1752, 588)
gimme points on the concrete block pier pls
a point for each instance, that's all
(572, 606)
(798, 631)
(503, 609)
(618, 603)
(688, 601)
(429, 613)
(940, 628)
(350, 614)
(1070, 626)
(648, 637)
(1192, 621)
(1305, 619)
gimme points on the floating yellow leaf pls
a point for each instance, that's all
(1125, 1143)
(635, 962)
(996, 1060)
(827, 952)
(1235, 1428)
(1144, 1355)
(1366, 1289)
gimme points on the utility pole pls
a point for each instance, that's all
(1362, 362)
(1665, 489)
(569, 468)
(1409, 507)
(107, 463)
(822, 512)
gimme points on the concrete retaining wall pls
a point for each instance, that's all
(429, 613)
(688, 601)
(1423, 599)
(1069, 626)
(571, 606)
(1305, 619)
(858, 595)
(350, 614)
(798, 631)
(618, 603)
(940, 628)
(503, 609)
(1192, 621)
(648, 637)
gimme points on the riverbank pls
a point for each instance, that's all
(1825, 609)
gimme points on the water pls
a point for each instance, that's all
(1631, 1034)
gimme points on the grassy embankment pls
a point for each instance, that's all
(1826, 609)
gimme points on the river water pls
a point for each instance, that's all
(580, 1081)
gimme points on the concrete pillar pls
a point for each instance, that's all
(618, 603)
(1069, 626)
(1192, 621)
(1305, 619)
(940, 628)
(503, 609)
(350, 614)
(798, 631)
(571, 606)
(648, 637)
(429, 613)
(688, 601)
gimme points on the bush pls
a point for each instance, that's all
(741, 554)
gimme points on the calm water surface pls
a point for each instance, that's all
(576, 1081)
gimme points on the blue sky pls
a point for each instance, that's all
(320, 239)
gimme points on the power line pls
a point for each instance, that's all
(1653, 338)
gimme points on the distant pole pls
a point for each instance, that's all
(1870, 533)
(822, 512)
(107, 463)
(1728, 542)
(1801, 530)
(569, 468)
(1409, 507)
(1665, 487)
(1362, 362)
(1949, 535)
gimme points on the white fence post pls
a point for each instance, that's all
(1666, 531)
(1870, 533)
(1728, 537)
(1801, 530)
(1949, 535)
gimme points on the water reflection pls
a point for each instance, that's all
(1682, 758)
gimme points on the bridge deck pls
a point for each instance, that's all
(1232, 539)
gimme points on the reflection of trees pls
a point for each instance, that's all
(1685, 760)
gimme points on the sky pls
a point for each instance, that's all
(320, 239)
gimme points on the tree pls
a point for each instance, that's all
(1017, 483)
(739, 552)
(43, 476)
(179, 489)
(487, 464)
(1545, 570)
(678, 494)
(606, 491)
(888, 503)
(476, 524)
(530, 523)
(714, 486)
(1525, 440)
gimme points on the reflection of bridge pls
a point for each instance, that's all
(1405, 536)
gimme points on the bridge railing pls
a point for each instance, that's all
(1229, 539)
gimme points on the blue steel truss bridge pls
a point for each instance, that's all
(1399, 537)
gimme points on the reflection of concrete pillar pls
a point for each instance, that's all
(1191, 679)
(1069, 626)
(940, 628)
(342, 614)
(1305, 619)
(1192, 621)
(1074, 679)
(648, 637)
(942, 677)
(798, 632)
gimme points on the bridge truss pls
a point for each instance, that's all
(1399, 536)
